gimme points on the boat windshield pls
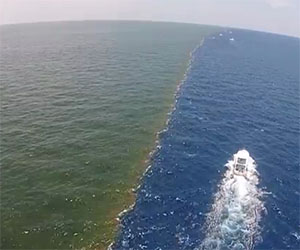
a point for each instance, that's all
(241, 160)
(240, 168)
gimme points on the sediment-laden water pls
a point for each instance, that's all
(81, 103)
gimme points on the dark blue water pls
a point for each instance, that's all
(241, 93)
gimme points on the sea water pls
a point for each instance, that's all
(241, 91)
(81, 103)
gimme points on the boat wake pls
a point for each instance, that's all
(233, 222)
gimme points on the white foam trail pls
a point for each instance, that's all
(233, 222)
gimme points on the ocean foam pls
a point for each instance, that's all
(233, 222)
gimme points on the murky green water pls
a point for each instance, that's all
(80, 105)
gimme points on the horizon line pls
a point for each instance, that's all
(153, 21)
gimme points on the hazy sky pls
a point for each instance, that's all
(279, 16)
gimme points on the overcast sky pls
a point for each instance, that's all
(278, 16)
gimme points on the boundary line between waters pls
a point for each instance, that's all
(158, 134)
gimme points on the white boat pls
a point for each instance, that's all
(242, 170)
(241, 161)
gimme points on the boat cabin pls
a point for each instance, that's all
(240, 162)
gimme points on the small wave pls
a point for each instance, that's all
(233, 222)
